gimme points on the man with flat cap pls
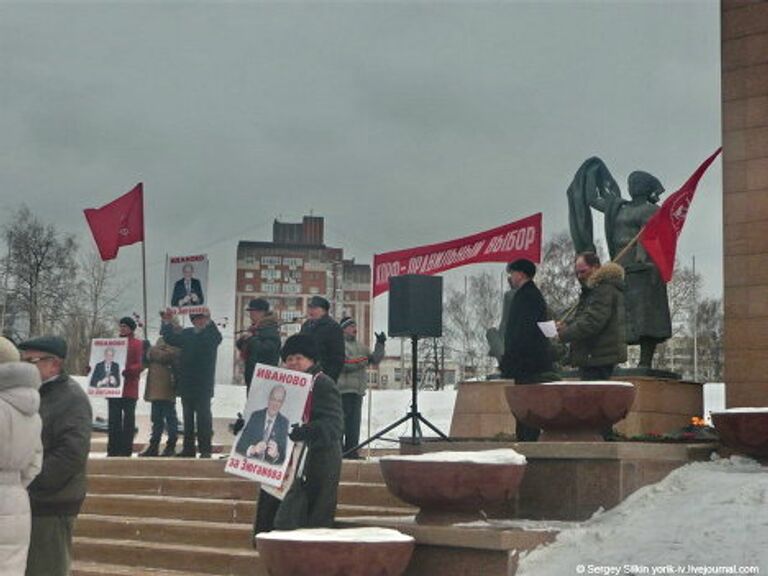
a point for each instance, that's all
(260, 344)
(527, 352)
(197, 375)
(328, 336)
(57, 493)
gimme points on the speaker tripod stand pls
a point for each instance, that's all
(413, 415)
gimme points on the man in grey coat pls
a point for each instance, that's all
(57, 493)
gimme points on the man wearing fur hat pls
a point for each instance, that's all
(57, 493)
(527, 353)
(595, 331)
(353, 381)
(327, 335)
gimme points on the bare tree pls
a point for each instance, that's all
(555, 276)
(41, 271)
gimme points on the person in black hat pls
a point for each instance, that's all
(57, 493)
(327, 334)
(527, 352)
(261, 342)
(311, 500)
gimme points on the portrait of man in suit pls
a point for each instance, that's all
(265, 436)
(187, 291)
(106, 374)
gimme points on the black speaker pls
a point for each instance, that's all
(416, 305)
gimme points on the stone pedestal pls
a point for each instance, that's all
(571, 481)
(660, 406)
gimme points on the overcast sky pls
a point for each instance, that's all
(401, 123)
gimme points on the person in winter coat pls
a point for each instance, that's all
(353, 381)
(261, 343)
(328, 336)
(527, 352)
(21, 455)
(311, 500)
(197, 375)
(595, 331)
(160, 390)
(122, 411)
(57, 493)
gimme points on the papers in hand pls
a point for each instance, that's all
(548, 328)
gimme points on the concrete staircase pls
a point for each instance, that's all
(186, 517)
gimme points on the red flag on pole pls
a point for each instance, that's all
(660, 234)
(119, 223)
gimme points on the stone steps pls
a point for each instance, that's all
(180, 557)
(100, 569)
(357, 493)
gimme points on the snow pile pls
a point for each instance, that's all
(762, 410)
(703, 515)
(591, 382)
(365, 535)
(500, 456)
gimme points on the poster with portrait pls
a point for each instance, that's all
(186, 283)
(262, 450)
(107, 362)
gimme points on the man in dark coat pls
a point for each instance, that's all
(527, 353)
(197, 372)
(261, 343)
(265, 436)
(57, 493)
(328, 336)
(187, 291)
(596, 329)
(106, 374)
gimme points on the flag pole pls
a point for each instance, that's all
(144, 286)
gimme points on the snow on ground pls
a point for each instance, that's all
(701, 517)
(501, 456)
(387, 407)
(337, 535)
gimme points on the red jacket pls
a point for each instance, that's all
(133, 368)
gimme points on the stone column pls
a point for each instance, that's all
(744, 40)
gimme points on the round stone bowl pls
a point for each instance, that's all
(571, 411)
(744, 430)
(340, 552)
(450, 487)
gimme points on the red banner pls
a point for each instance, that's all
(119, 223)
(660, 234)
(521, 239)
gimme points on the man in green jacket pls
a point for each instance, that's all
(353, 381)
(595, 331)
(57, 493)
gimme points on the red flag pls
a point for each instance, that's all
(660, 234)
(119, 223)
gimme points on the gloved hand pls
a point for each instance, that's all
(302, 433)
(381, 337)
(238, 424)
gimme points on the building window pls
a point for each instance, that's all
(249, 287)
(270, 288)
(293, 262)
(314, 290)
(292, 288)
(271, 274)
(270, 260)
(248, 275)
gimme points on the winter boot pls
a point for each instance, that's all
(150, 451)
(169, 450)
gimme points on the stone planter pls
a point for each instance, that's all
(744, 430)
(571, 411)
(453, 487)
(341, 552)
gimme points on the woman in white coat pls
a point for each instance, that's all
(21, 455)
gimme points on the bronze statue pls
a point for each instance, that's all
(647, 306)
